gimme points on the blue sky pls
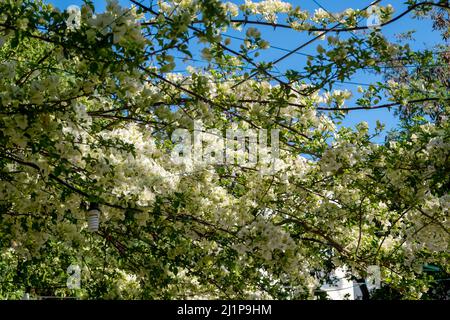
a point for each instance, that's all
(288, 39)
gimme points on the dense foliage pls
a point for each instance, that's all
(87, 114)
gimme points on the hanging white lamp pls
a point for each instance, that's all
(93, 217)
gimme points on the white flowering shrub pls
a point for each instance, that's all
(88, 113)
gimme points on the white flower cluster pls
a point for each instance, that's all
(269, 9)
(122, 22)
(140, 175)
(231, 8)
(265, 237)
(320, 14)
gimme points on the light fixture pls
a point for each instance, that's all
(93, 217)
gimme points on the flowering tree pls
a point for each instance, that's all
(89, 107)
